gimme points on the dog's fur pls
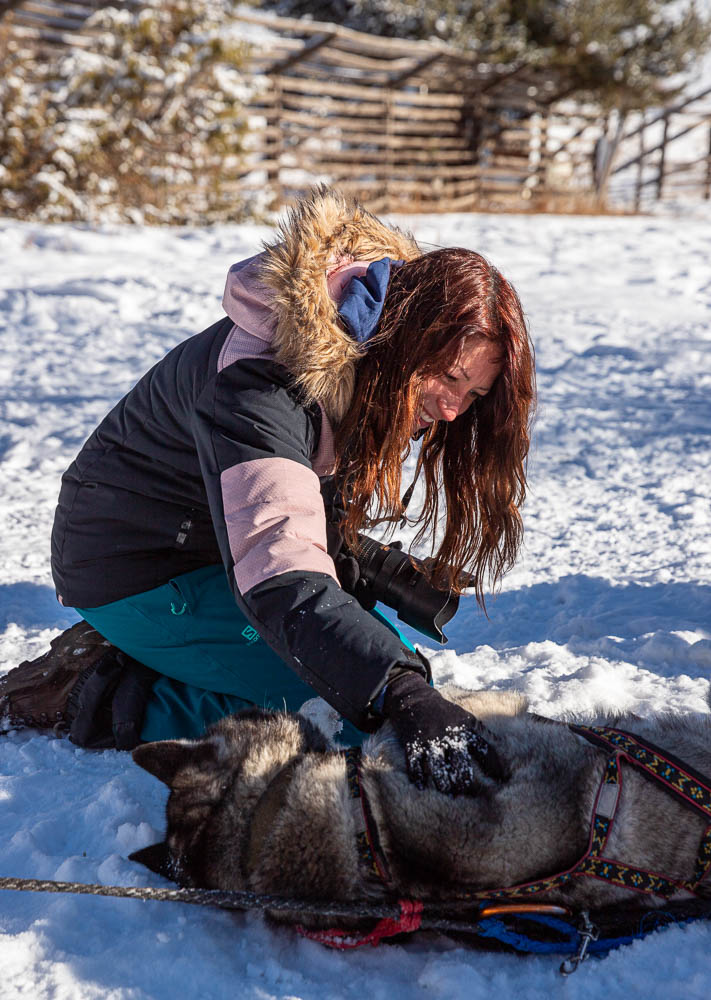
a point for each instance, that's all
(529, 826)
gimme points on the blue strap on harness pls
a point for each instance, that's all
(565, 936)
(497, 929)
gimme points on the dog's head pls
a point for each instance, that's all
(215, 782)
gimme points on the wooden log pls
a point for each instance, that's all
(397, 157)
(542, 167)
(655, 149)
(351, 185)
(510, 156)
(325, 106)
(359, 40)
(510, 131)
(52, 38)
(441, 128)
(277, 47)
(306, 52)
(417, 69)
(348, 139)
(662, 158)
(275, 121)
(368, 91)
(334, 55)
(679, 106)
(56, 15)
(505, 174)
(377, 96)
(640, 169)
(397, 172)
(678, 167)
(400, 143)
(328, 106)
(567, 144)
(512, 165)
(464, 203)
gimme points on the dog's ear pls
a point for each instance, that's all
(165, 758)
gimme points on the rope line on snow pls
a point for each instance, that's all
(624, 925)
(202, 897)
(232, 900)
(405, 916)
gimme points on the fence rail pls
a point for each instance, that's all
(417, 125)
(402, 124)
(661, 156)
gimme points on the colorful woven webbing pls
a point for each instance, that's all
(367, 842)
(672, 774)
(409, 920)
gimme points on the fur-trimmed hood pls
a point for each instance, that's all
(323, 237)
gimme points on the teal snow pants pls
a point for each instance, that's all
(212, 662)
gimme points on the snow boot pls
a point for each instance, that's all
(82, 687)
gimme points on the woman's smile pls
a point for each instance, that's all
(445, 396)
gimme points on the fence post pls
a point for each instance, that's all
(277, 148)
(640, 166)
(542, 170)
(389, 147)
(662, 159)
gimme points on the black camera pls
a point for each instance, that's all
(394, 578)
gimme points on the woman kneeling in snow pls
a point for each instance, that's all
(209, 527)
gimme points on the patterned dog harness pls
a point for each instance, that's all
(678, 778)
(675, 776)
(370, 851)
(372, 857)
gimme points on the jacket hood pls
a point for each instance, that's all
(248, 302)
(318, 247)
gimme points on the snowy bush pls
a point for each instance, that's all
(149, 123)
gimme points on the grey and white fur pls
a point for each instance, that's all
(300, 839)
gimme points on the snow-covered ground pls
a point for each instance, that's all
(610, 603)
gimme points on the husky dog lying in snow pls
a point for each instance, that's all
(260, 803)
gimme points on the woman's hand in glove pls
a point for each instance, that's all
(349, 577)
(443, 744)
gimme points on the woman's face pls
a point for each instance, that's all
(445, 396)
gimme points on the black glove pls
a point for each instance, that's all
(348, 573)
(443, 744)
(107, 704)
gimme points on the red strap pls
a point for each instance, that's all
(409, 920)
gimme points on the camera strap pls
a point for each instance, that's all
(404, 501)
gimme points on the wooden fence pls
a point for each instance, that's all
(417, 125)
(414, 125)
(50, 24)
(401, 124)
(665, 154)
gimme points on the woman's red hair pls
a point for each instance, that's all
(477, 462)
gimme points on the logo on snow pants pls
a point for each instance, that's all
(250, 634)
